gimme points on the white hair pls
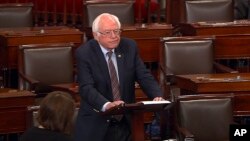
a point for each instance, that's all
(96, 22)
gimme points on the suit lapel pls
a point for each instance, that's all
(102, 64)
(120, 57)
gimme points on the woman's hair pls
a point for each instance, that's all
(96, 22)
(56, 112)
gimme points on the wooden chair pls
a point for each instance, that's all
(123, 9)
(204, 117)
(16, 15)
(42, 65)
(186, 55)
(209, 11)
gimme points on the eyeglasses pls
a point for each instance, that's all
(108, 33)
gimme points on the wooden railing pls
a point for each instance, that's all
(55, 12)
(70, 12)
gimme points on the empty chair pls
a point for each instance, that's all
(43, 65)
(16, 15)
(204, 117)
(186, 55)
(123, 9)
(209, 11)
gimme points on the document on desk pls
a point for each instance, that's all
(155, 102)
(215, 23)
(233, 79)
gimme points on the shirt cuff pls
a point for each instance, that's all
(104, 106)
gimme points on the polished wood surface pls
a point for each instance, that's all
(242, 105)
(236, 27)
(232, 46)
(214, 83)
(231, 83)
(13, 110)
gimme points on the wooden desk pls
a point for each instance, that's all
(214, 83)
(220, 84)
(13, 108)
(237, 27)
(242, 105)
(232, 46)
(10, 39)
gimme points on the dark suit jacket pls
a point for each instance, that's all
(95, 84)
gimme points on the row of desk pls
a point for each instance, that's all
(146, 36)
(148, 40)
(14, 103)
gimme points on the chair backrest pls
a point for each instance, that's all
(47, 63)
(187, 56)
(206, 117)
(123, 9)
(16, 15)
(209, 11)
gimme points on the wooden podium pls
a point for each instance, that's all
(136, 111)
